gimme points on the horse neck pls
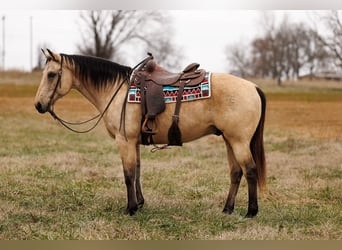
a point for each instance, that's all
(101, 97)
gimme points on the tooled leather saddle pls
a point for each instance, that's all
(151, 78)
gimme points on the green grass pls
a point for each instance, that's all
(58, 185)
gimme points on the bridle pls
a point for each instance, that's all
(67, 124)
(58, 83)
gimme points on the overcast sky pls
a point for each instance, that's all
(202, 34)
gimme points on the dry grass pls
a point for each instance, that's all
(59, 185)
(15, 77)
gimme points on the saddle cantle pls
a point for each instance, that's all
(151, 78)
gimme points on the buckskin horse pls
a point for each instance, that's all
(235, 110)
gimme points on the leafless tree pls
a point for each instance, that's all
(159, 42)
(269, 52)
(332, 40)
(107, 32)
(239, 60)
(317, 55)
(286, 50)
(268, 56)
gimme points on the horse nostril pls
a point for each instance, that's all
(39, 107)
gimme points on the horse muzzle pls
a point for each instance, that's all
(41, 109)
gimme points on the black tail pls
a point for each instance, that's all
(257, 144)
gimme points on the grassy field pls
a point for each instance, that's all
(58, 185)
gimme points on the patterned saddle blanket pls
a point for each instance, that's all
(190, 93)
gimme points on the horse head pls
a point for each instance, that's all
(56, 82)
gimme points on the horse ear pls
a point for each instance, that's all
(54, 56)
(43, 51)
(51, 54)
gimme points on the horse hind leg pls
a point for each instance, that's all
(245, 160)
(252, 180)
(235, 178)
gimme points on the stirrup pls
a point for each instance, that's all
(146, 129)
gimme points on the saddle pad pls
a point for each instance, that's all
(191, 93)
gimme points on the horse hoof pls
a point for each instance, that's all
(131, 211)
(141, 203)
(228, 210)
(251, 214)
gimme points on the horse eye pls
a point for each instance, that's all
(51, 75)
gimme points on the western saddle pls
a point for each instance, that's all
(151, 78)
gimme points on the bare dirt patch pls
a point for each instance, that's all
(309, 119)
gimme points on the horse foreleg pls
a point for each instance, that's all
(129, 163)
(140, 197)
(132, 205)
(235, 178)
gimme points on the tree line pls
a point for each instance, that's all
(287, 50)
(284, 50)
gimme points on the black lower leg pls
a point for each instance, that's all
(235, 178)
(132, 206)
(140, 197)
(251, 176)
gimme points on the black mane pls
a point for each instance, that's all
(100, 72)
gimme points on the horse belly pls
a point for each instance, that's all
(194, 121)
